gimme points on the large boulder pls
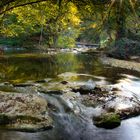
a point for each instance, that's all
(24, 112)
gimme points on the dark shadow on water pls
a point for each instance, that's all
(69, 128)
(26, 67)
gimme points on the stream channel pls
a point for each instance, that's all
(23, 67)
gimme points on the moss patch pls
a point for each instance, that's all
(7, 89)
(25, 123)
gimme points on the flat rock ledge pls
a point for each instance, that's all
(135, 66)
(24, 112)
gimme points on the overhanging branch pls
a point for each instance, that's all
(20, 5)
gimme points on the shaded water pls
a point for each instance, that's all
(68, 126)
(26, 67)
(129, 130)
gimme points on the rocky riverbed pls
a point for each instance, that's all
(28, 106)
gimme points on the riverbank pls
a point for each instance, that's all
(126, 64)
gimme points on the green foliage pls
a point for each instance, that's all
(66, 42)
(45, 21)
(12, 41)
(124, 48)
(68, 38)
(49, 22)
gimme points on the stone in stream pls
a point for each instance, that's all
(57, 88)
(5, 84)
(24, 112)
(64, 82)
(98, 97)
(112, 101)
(56, 92)
(108, 121)
(7, 88)
(125, 107)
(86, 88)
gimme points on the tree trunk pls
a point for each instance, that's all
(55, 38)
(41, 35)
(120, 21)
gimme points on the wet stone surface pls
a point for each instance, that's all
(23, 112)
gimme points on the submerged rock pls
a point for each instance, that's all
(57, 88)
(23, 85)
(56, 92)
(70, 76)
(24, 112)
(64, 82)
(108, 121)
(7, 88)
(43, 80)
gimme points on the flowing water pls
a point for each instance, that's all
(17, 68)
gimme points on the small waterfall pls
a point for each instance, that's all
(52, 100)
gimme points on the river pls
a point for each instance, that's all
(18, 68)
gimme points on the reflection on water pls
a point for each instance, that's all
(23, 67)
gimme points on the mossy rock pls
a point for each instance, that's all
(25, 123)
(31, 128)
(7, 119)
(108, 121)
(55, 92)
(6, 88)
(91, 102)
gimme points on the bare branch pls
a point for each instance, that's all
(20, 5)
